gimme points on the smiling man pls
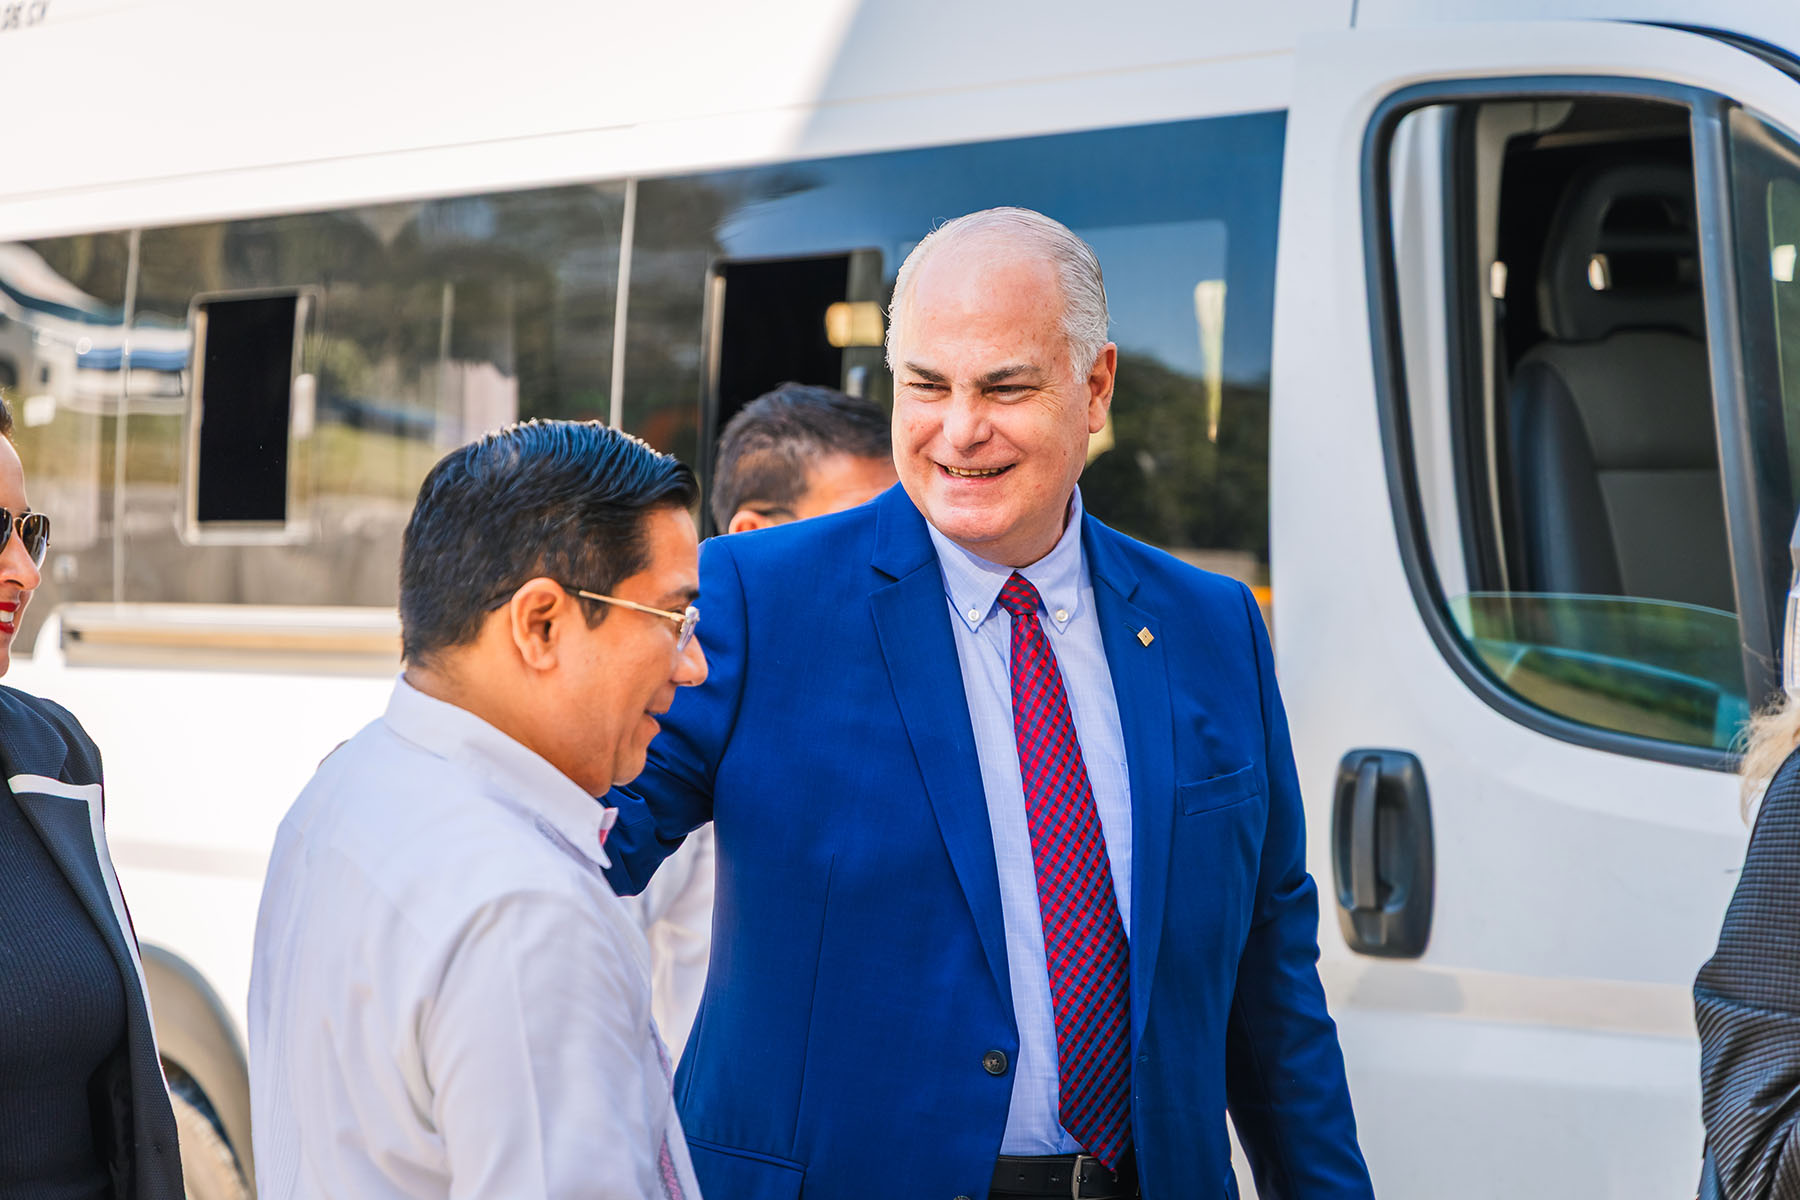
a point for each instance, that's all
(1012, 886)
(446, 997)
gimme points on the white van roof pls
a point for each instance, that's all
(187, 110)
(1774, 22)
(142, 113)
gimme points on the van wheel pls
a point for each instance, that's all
(209, 1170)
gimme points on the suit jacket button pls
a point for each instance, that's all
(994, 1062)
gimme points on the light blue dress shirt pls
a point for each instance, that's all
(983, 633)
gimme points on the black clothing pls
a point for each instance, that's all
(62, 1016)
(52, 771)
(1747, 1005)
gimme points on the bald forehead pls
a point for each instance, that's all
(983, 250)
(984, 320)
(970, 269)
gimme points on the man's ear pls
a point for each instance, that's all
(746, 519)
(1100, 387)
(535, 617)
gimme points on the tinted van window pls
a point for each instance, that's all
(1568, 464)
(431, 321)
(1183, 217)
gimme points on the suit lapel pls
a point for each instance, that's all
(912, 624)
(67, 819)
(1140, 677)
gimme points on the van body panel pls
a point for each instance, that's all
(817, 78)
(1543, 1042)
(1776, 24)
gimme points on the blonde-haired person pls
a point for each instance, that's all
(1747, 996)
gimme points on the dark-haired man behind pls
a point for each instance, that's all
(446, 997)
(796, 452)
(799, 451)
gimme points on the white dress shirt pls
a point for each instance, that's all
(675, 911)
(446, 998)
(983, 633)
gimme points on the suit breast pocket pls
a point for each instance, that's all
(1221, 791)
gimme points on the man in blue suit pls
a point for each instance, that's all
(1012, 895)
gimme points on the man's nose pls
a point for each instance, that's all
(965, 420)
(690, 666)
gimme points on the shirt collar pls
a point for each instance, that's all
(526, 781)
(973, 583)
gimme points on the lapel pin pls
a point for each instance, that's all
(1145, 636)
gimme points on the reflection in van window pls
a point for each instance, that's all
(1183, 218)
(433, 321)
(1580, 539)
(60, 353)
(439, 318)
(1766, 178)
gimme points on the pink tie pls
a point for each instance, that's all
(1084, 939)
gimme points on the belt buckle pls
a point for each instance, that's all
(1076, 1177)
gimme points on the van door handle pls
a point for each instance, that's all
(1365, 890)
(1382, 853)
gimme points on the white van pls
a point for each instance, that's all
(1466, 332)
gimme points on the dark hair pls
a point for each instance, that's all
(566, 499)
(770, 445)
(6, 417)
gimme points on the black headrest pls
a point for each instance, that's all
(1631, 230)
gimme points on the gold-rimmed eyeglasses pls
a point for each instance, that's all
(684, 620)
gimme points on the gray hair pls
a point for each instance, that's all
(1077, 270)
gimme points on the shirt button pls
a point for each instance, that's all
(994, 1062)
(974, 614)
(1062, 614)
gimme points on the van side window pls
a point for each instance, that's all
(1564, 436)
(433, 320)
(246, 390)
(1765, 168)
(1184, 221)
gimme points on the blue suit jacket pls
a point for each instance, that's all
(858, 969)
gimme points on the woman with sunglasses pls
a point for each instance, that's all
(84, 1111)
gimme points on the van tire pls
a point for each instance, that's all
(209, 1170)
(203, 1060)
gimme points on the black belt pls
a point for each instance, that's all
(1064, 1176)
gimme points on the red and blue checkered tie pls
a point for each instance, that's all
(1084, 939)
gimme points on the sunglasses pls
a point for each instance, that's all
(33, 529)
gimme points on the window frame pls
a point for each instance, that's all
(297, 527)
(1745, 526)
(712, 345)
(1766, 401)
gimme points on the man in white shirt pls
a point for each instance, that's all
(447, 999)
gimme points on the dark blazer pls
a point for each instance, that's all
(858, 983)
(1747, 1005)
(53, 771)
